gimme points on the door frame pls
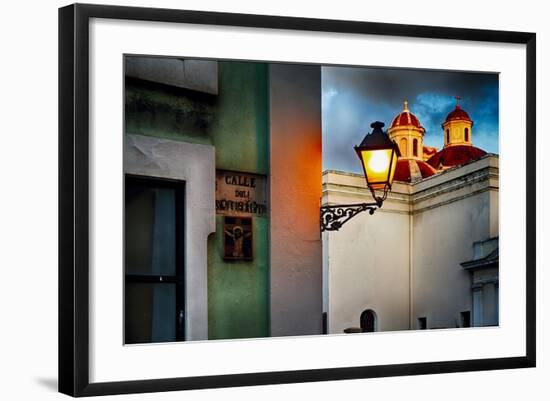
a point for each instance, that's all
(179, 278)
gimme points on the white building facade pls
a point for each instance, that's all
(401, 268)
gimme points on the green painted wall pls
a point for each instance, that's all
(236, 122)
(238, 292)
(240, 130)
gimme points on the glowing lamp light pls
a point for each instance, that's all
(378, 160)
(378, 155)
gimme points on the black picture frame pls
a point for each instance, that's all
(74, 198)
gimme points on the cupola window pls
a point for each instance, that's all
(403, 147)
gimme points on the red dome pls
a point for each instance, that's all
(405, 118)
(409, 170)
(455, 156)
(458, 114)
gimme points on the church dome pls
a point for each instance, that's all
(458, 114)
(455, 155)
(406, 118)
(412, 170)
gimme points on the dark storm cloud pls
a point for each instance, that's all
(354, 97)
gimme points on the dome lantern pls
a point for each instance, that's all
(457, 127)
(457, 136)
(408, 133)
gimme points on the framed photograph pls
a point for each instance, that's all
(299, 199)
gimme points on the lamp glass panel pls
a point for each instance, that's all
(377, 165)
(393, 166)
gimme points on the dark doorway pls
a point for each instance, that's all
(465, 319)
(422, 323)
(368, 321)
(154, 290)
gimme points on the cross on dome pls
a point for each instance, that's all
(458, 101)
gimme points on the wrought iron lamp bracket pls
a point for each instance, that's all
(335, 216)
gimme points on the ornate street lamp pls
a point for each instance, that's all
(378, 155)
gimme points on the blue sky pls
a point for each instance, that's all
(353, 97)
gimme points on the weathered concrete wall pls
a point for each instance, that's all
(194, 164)
(163, 111)
(295, 192)
(197, 75)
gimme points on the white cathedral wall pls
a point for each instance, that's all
(403, 262)
(451, 211)
(494, 198)
(366, 262)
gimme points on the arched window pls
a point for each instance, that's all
(466, 135)
(368, 321)
(415, 147)
(403, 147)
(448, 137)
